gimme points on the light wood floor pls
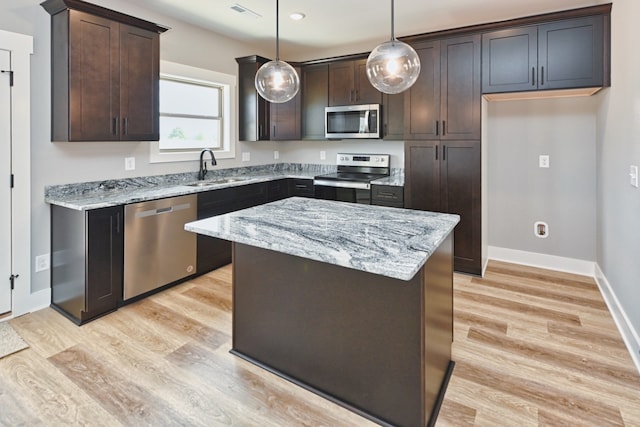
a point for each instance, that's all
(531, 347)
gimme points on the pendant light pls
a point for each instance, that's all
(393, 66)
(277, 81)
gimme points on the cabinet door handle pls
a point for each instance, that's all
(444, 127)
(357, 94)
(436, 150)
(542, 77)
(115, 126)
(125, 124)
(533, 76)
(274, 131)
(259, 131)
(118, 223)
(444, 153)
(437, 131)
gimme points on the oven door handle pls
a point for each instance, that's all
(342, 184)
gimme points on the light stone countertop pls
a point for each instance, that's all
(102, 194)
(380, 240)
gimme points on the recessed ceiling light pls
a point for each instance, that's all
(296, 16)
(245, 11)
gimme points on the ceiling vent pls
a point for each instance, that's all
(245, 11)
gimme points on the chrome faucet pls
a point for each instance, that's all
(203, 165)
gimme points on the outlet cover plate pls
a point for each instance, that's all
(42, 262)
(129, 163)
(544, 161)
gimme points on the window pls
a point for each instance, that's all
(195, 113)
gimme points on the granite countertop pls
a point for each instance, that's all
(102, 194)
(380, 240)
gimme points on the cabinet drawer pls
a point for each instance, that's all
(387, 195)
(302, 187)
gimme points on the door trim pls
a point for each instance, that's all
(21, 48)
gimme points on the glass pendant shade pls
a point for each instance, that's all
(277, 82)
(393, 67)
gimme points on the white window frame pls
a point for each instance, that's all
(175, 71)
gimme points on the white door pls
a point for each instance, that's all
(5, 190)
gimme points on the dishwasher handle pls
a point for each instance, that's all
(163, 210)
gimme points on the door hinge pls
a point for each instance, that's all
(12, 279)
(10, 76)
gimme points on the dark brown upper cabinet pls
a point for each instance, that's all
(254, 112)
(444, 103)
(563, 54)
(259, 119)
(349, 84)
(315, 97)
(105, 74)
(285, 118)
(393, 116)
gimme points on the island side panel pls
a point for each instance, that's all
(438, 325)
(352, 336)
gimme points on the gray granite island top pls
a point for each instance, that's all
(386, 241)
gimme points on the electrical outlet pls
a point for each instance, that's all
(42, 262)
(541, 229)
(276, 155)
(323, 155)
(129, 163)
(544, 161)
(246, 157)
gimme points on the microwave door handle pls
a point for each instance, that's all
(366, 122)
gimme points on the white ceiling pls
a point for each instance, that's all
(330, 24)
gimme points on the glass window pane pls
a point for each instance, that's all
(182, 133)
(188, 98)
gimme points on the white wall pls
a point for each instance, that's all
(618, 147)
(520, 193)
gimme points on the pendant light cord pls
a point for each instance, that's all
(278, 30)
(393, 36)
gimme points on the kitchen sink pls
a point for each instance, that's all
(215, 182)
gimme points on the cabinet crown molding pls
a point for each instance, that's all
(54, 7)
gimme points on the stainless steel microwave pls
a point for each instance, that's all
(352, 121)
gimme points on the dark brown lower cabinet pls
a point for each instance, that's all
(445, 176)
(387, 195)
(214, 253)
(87, 258)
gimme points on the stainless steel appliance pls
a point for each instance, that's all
(352, 121)
(352, 181)
(157, 249)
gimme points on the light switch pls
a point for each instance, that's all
(633, 175)
(544, 161)
(246, 156)
(129, 163)
(323, 155)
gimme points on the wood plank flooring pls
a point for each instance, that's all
(532, 348)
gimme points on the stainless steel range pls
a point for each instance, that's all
(352, 181)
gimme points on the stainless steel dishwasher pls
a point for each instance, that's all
(157, 249)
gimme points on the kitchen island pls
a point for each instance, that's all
(353, 302)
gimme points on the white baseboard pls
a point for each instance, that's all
(551, 262)
(629, 334)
